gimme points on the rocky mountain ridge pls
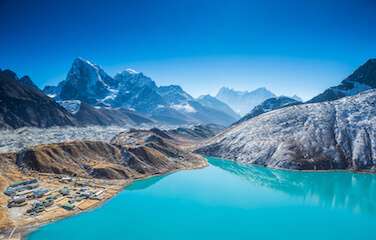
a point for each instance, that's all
(23, 104)
(269, 105)
(329, 135)
(88, 83)
(363, 78)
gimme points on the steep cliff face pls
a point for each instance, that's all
(86, 82)
(329, 135)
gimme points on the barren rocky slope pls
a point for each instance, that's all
(24, 105)
(129, 154)
(330, 135)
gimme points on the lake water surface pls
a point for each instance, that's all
(231, 201)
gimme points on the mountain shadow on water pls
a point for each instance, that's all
(146, 183)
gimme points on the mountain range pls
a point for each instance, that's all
(321, 134)
(90, 96)
(90, 84)
(329, 135)
(22, 104)
(243, 101)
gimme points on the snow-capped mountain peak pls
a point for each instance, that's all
(130, 89)
(86, 82)
(243, 101)
(131, 71)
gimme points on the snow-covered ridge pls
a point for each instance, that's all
(329, 135)
(131, 71)
(129, 89)
(363, 78)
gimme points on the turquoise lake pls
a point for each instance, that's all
(231, 201)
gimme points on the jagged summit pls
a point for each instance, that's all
(131, 71)
(81, 60)
(86, 82)
(361, 79)
(130, 89)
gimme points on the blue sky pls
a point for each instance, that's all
(290, 47)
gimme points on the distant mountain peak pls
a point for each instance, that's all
(79, 60)
(130, 76)
(214, 103)
(172, 87)
(297, 98)
(362, 79)
(270, 105)
(131, 71)
(85, 81)
(130, 89)
(27, 81)
(205, 96)
(243, 101)
(128, 72)
(10, 74)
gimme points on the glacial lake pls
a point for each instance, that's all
(231, 201)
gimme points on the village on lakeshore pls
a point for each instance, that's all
(32, 197)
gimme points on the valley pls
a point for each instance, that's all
(86, 139)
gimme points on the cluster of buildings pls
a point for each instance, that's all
(21, 191)
(69, 195)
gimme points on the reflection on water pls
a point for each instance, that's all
(145, 183)
(328, 189)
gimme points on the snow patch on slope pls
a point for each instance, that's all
(186, 107)
(73, 106)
